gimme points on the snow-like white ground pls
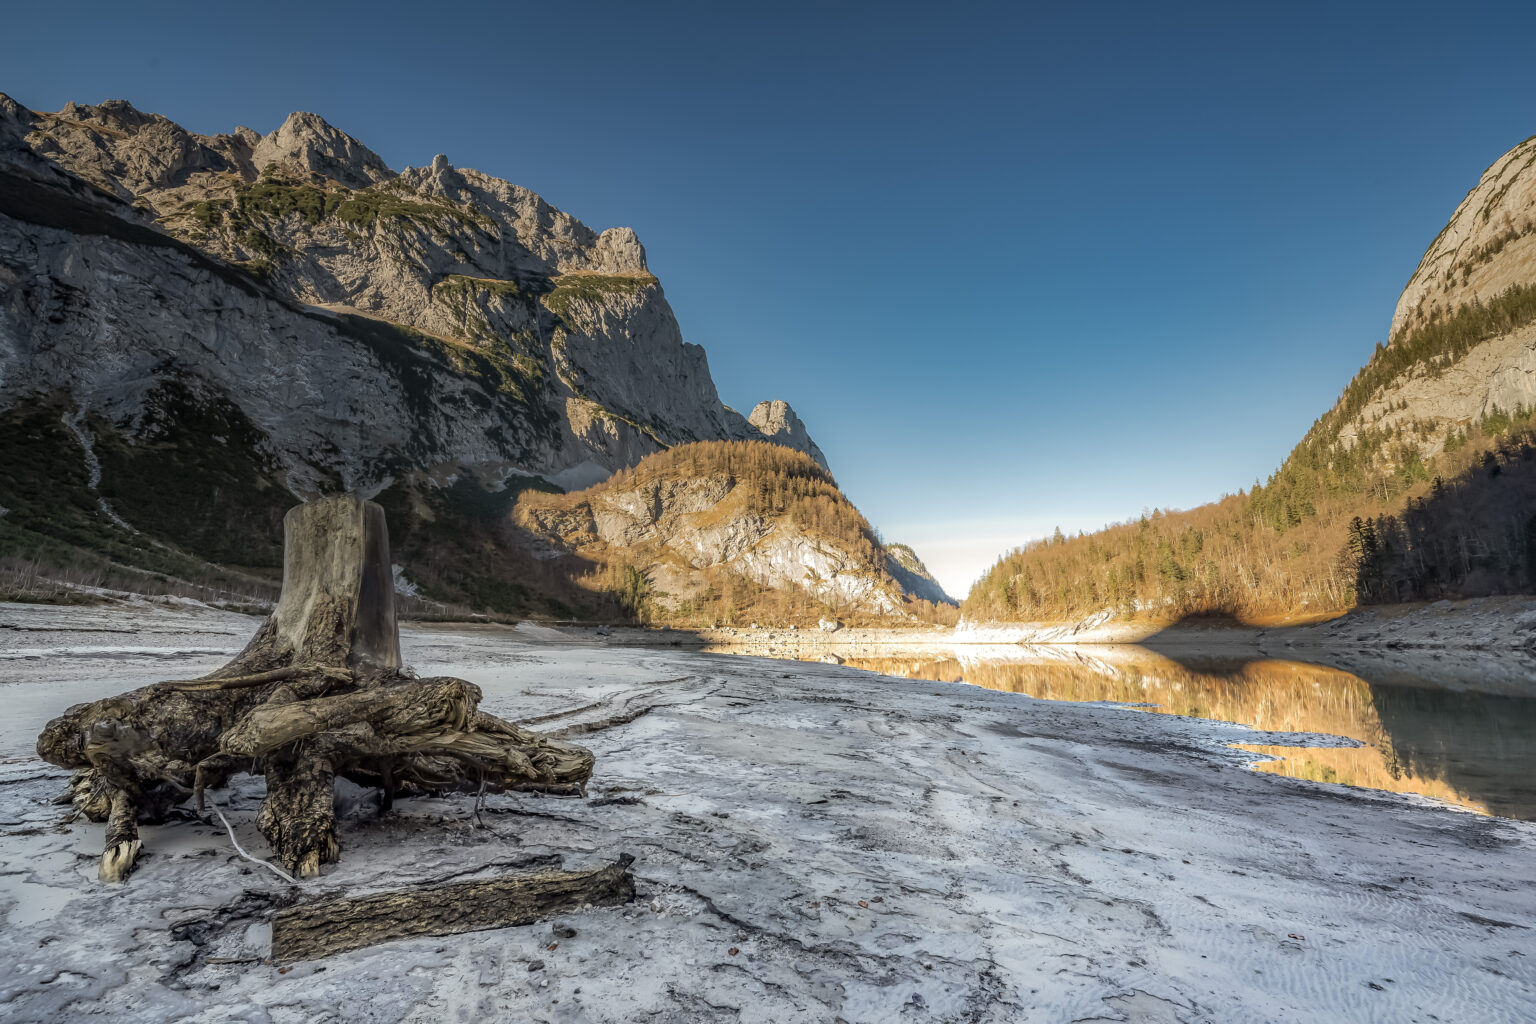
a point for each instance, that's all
(871, 849)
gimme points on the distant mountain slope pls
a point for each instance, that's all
(1417, 484)
(908, 570)
(197, 331)
(724, 533)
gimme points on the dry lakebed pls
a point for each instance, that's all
(812, 842)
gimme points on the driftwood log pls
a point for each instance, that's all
(324, 928)
(317, 693)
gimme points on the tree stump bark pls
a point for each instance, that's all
(318, 692)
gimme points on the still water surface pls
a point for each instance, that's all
(1431, 727)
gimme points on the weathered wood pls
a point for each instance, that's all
(317, 693)
(255, 679)
(315, 930)
(123, 844)
(298, 817)
(337, 606)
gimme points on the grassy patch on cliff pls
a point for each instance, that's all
(472, 300)
(364, 208)
(586, 287)
(254, 210)
(417, 360)
(460, 287)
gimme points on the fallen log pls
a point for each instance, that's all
(311, 931)
(317, 693)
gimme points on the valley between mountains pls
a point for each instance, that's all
(196, 332)
(1266, 759)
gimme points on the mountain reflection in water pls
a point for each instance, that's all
(1462, 746)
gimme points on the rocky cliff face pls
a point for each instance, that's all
(1461, 346)
(1488, 245)
(561, 331)
(696, 519)
(287, 311)
(775, 421)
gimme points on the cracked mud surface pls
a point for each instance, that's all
(871, 849)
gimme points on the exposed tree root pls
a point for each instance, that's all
(317, 693)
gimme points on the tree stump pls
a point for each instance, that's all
(317, 693)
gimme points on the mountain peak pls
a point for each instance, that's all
(1488, 245)
(311, 143)
(776, 421)
(619, 252)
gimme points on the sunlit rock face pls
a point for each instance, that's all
(677, 530)
(690, 524)
(777, 422)
(1488, 244)
(369, 324)
(1487, 248)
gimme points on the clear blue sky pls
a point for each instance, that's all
(1015, 265)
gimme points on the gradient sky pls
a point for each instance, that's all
(1017, 266)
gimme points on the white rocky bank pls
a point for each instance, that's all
(812, 843)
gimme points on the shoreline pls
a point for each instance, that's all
(1480, 623)
(1506, 623)
(1501, 623)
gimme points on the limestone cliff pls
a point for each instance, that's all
(1461, 345)
(569, 321)
(1488, 245)
(284, 315)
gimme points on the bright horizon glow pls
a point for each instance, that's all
(1014, 267)
(958, 553)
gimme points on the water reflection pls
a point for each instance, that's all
(1475, 749)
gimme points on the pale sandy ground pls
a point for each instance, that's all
(1018, 860)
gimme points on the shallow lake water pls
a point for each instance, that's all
(1424, 728)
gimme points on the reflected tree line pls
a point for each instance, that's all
(1470, 748)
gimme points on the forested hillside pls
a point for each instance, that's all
(1397, 508)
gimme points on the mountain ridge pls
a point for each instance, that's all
(196, 331)
(579, 325)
